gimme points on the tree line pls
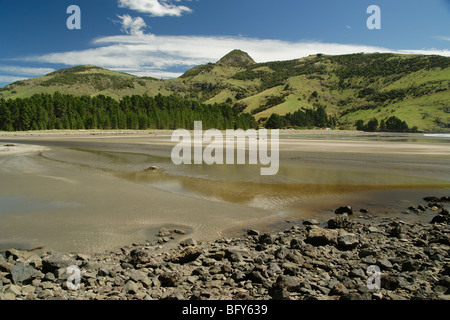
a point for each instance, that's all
(393, 124)
(303, 118)
(64, 111)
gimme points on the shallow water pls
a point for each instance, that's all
(95, 193)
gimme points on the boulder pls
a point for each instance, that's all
(57, 261)
(22, 274)
(321, 237)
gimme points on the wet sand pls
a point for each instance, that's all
(90, 191)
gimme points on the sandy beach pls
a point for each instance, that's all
(88, 191)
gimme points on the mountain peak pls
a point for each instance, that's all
(236, 58)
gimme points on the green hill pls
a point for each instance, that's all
(413, 88)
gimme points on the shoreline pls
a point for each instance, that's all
(312, 259)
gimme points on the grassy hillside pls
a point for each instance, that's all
(354, 87)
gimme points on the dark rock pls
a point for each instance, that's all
(280, 294)
(354, 296)
(56, 261)
(238, 276)
(410, 265)
(445, 199)
(340, 222)
(281, 253)
(126, 265)
(363, 210)
(311, 222)
(266, 239)
(188, 242)
(389, 282)
(342, 210)
(251, 232)
(139, 257)
(338, 290)
(256, 277)
(188, 254)
(295, 244)
(22, 274)
(384, 264)
(396, 231)
(421, 207)
(432, 199)
(357, 273)
(169, 279)
(440, 219)
(288, 283)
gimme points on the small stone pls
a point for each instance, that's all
(130, 287)
(252, 232)
(188, 254)
(188, 243)
(163, 232)
(421, 207)
(311, 222)
(339, 290)
(169, 279)
(14, 289)
(288, 283)
(389, 282)
(384, 264)
(410, 265)
(348, 241)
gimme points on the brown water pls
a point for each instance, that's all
(94, 193)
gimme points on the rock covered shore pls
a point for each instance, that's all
(340, 259)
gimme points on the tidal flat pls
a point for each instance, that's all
(89, 191)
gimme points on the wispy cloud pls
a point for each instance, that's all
(25, 71)
(156, 8)
(131, 25)
(159, 55)
(9, 79)
(444, 38)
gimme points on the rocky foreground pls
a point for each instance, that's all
(367, 258)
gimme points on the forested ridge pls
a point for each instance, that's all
(58, 111)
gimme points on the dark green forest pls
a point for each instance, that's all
(58, 111)
(304, 118)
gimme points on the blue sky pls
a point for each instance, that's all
(164, 38)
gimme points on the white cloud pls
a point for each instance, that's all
(157, 55)
(25, 71)
(442, 38)
(10, 79)
(156, 8)
(131, 25)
